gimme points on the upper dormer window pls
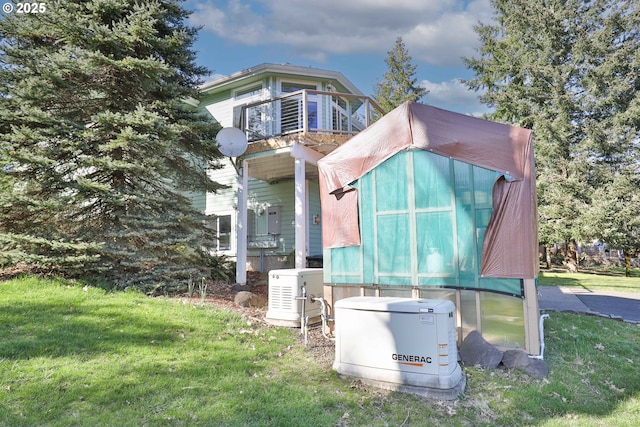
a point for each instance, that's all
(288, 87)
(248, 92)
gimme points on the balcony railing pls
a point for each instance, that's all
(309, 112)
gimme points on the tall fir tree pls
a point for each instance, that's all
(99, 147)
(399, 84)
(614, 214)
(568, 69)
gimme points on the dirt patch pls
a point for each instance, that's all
(222, 295)
(321, 348)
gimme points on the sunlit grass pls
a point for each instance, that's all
(86, 357)
(610, 281)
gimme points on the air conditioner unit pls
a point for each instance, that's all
(284, 288)
(399, 344)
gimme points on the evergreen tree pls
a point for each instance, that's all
(100, 149)
(568, 69)
(399, 84)
(614, 215)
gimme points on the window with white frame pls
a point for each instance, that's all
(221, 227)
(291, 108)
(249, 92)
(254, 119)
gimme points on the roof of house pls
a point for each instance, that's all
(268, 68)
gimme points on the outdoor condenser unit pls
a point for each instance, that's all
(285, 288)
(399, 344)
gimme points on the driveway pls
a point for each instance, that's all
(625, 305)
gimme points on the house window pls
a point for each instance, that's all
(340, 115)
(221, 227)
(254, 120)
(249, 92)
(291, 108)
(294, 87)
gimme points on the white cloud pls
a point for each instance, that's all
(454, 95)
(446, 40)
(236, 23)
(435, 31)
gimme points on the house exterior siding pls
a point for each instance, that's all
(251, 100)
(224, 199)
(315, 226)
(222, 111)
(263, 195)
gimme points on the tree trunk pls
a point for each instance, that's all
(627, 263)
(548, 256)
(571, 256)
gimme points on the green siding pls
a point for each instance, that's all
(315, 230)
(225, 199)
(276, 194)
(212, 97)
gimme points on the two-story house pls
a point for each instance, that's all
(292, 116)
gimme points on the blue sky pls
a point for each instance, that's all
(349, 36)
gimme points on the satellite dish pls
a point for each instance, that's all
(232, 141)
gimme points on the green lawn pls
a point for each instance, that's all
(612, 280)
(83, 356)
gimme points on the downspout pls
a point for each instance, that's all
(541, 328)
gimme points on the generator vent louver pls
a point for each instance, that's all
(281, 298)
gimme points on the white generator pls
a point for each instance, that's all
(400, 344)
(285, 287)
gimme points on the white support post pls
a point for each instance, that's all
(300, 214)
(367, 112)
(305, 112)
(241, 234)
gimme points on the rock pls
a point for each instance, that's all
(475, 350)
(537, 368)
(518, 359)
(240, 288)
(515, 359)
(249, 299)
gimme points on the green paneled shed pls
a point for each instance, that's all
(435, 204)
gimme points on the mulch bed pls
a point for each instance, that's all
(222, 295)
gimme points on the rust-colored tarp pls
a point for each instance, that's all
(511, 239)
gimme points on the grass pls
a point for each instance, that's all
(74, 355)
(608, 280)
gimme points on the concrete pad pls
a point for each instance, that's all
(428, 392)
(559, 298)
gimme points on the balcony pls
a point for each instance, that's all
(314, 118)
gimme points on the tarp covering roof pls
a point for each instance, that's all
(510, 245)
